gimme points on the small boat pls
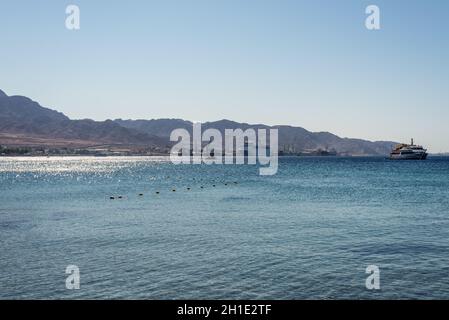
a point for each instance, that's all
(408, 152)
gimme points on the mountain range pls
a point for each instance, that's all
(24, 122)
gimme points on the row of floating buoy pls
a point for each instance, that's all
(173, 190)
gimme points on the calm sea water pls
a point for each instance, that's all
(308, 232)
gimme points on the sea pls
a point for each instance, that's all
(144, 228)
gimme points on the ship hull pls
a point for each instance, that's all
(422, 156)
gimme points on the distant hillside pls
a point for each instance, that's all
(159, 127)
(24, 118)
(23, 121)
(294, 139)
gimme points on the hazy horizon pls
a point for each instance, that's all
(307, 64)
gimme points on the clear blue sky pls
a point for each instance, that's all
(306, 63)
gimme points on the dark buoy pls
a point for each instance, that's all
(112, 198)
(140, 194)
(213, 185)
(201, 187)
(120, 197)
(157, 192)
(226, 184)
(174, 190)
(188, 188)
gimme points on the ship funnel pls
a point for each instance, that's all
(412, 142)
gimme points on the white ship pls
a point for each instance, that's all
(408, 152)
